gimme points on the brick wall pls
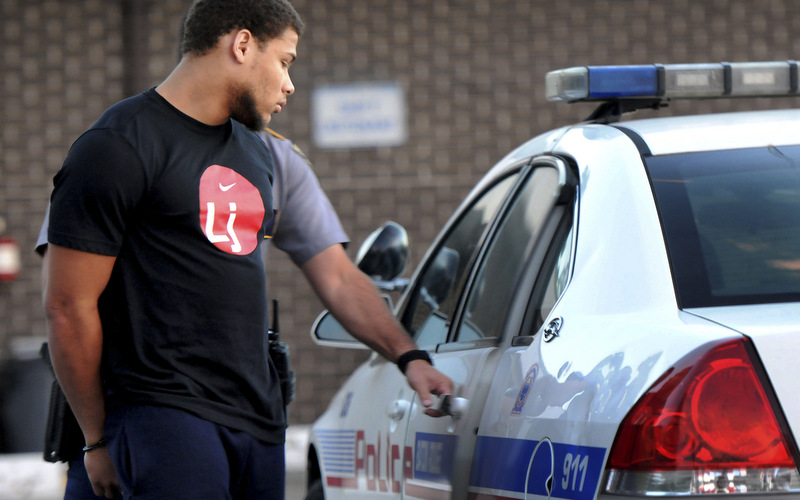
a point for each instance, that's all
(60, 68)
(473, 73)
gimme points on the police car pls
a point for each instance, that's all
(616, 302)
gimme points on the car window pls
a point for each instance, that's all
(511, 247)
(731, 221)
(436, 293)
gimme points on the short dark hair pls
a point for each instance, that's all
(208, 20)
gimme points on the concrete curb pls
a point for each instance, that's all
(297, 447)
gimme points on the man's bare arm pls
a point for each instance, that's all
(74, 283)
(353, 299)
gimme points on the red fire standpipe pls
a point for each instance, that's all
(9, 259)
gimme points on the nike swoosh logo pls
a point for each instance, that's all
(225, 188)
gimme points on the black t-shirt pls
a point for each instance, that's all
(183, 206)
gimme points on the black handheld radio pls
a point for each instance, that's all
(279, 353)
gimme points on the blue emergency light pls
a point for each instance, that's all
(664, 82)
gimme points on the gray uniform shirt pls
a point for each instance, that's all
(306, 222)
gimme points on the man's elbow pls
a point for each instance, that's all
(67, 313)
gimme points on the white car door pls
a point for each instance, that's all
(361, 438)
(488, 305)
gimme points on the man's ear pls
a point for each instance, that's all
(243, 42)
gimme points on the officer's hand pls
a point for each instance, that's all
(101, 473)
(427, 381)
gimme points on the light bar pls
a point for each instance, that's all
(673, 81)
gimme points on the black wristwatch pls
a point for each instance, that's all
(413, 355)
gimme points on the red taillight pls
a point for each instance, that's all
(710, 412)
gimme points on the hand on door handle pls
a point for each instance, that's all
(451, 405)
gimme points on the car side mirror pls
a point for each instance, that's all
(384, 256)
(327, 331)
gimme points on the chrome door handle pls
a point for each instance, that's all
(397, 409)
(452, 405)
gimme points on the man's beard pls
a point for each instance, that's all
(243, 110)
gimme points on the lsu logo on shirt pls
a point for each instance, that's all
(231, 210)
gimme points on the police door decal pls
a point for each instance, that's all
(558, 470)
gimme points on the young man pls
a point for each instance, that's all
(155, 289)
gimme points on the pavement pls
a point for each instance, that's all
(25, 476)
(296, 453)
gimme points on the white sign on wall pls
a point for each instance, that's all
(359, 115)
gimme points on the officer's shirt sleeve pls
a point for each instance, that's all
(41, 241)
(307, 222)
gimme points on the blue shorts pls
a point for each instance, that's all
(166, 453)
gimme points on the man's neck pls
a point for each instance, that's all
(196, 91)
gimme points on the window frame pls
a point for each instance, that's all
(566, 203)
(409, 304)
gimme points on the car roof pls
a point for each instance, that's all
(685, 134)
(667, 135)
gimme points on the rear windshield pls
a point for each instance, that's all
(731, 221)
